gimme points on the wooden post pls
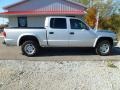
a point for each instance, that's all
(97, 21)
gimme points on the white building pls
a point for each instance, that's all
(32, 13)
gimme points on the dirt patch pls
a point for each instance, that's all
(1, 35)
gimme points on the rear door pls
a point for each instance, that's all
(58, 33)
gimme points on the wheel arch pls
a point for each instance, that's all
(103, 38)
(24, 38)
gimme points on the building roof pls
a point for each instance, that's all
(78, 11)
(23, 1)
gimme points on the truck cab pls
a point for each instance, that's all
(69, 32)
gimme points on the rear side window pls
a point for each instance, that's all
(58, 23)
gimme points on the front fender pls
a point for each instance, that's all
(97, 40)
(100, 37)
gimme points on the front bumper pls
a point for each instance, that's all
(115, 43)
(9, 42)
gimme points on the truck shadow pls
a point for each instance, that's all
(116, 51)
(72, 51)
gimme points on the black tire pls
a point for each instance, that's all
(30, 48)
(103, 48)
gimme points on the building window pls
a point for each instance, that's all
(58, 23)
(22, 21)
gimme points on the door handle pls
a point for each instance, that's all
(72, 33)
(51, 32)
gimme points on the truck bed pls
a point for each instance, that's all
(14, 34)
(26, 28)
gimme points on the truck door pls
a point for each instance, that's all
(80, 35)
(58, 33)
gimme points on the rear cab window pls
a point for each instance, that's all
(58, 23)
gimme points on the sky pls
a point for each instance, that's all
(4, 3)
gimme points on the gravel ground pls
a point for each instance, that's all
(62, 75)
(1, 35)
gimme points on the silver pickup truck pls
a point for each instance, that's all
(60, 32)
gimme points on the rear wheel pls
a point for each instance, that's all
(103, 48)
(30, 48)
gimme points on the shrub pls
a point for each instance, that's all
(90, 17)
(111, 23)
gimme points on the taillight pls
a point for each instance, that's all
(4, 34)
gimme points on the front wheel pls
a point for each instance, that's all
(30, 48)
(103, 48)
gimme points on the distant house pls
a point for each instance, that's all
(32, 13)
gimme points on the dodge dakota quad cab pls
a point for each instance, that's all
(60, 32)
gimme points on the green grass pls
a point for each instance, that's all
(111, 64)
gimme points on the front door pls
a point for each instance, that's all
(58, 33)
(80, 35)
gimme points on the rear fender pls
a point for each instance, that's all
(26, 34)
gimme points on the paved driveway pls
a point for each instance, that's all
(63, 54)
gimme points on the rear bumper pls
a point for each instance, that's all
(9, 42)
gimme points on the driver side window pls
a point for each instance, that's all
(77, 24)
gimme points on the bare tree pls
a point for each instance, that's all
(104, 7)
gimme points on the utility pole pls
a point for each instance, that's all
(98, 17)
(90, 3)
(97, 20)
